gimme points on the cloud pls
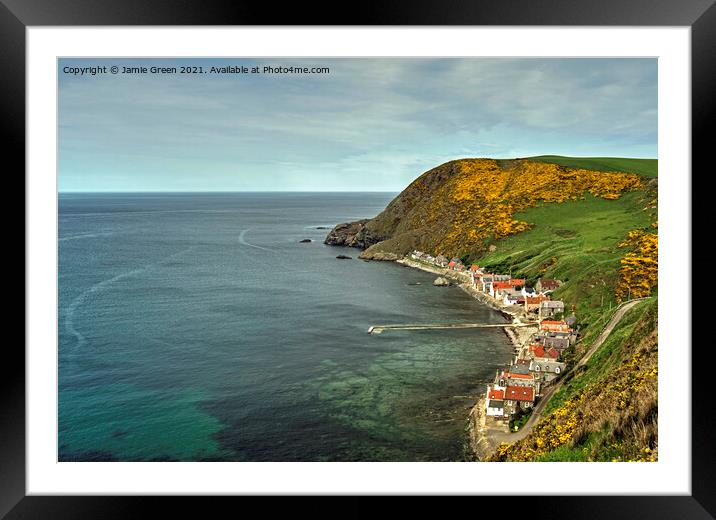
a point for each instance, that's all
(370, 122)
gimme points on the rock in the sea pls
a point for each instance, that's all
(343, 257)
(441, 282)
(305, 241)
(322, 227)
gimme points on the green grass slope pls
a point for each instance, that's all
(645, 167)
(575, 242)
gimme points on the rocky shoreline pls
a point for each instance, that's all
(482, 439)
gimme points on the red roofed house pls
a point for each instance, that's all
(532, 303)
(495, 401)
(537, 350)
(513, 378)
(523, 396)
(540, 352)
(495, 393)
(556, 326)
(474, 268)
(546, 284)
(496, 287)
(451, 264)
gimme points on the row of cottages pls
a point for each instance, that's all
(557, 334)
(519, 385)
(423, 257)
(439, 260)
(499, 289)
(483, 281)
(504, 401)
(504, 288)
(512, 291)
(456, 264)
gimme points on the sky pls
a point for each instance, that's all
(370, 124)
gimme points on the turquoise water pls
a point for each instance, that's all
(197, 327)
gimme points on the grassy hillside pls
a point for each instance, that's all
(645, 167)
(576, 242)
(462, 207)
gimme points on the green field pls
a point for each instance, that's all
(575, 242)
(645, 167)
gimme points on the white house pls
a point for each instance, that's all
(495, 401)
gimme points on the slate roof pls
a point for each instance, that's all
(546, 366)
(559, 343)
(519, 369)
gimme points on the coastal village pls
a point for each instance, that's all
(539, 350)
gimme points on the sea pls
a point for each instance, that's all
(197, 327)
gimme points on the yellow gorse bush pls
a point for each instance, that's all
(484, 197)
(562, 424)
(639, 270)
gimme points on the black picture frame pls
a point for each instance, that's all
(17, 15)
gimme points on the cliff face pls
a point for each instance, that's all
(463, 206)
(352, 234)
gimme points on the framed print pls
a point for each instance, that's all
(416, 255)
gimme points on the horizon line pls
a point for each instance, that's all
(60, 192)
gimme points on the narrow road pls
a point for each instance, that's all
(499, 437)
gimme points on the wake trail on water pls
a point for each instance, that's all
(99, 287)
(86, 235)
(244, 242)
